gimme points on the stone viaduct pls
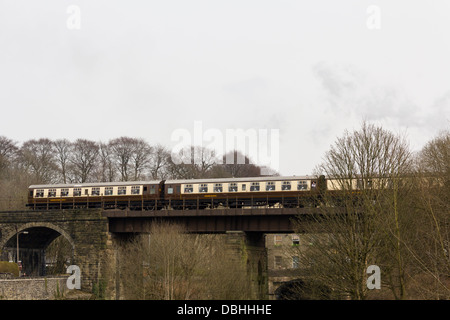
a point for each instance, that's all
(92, 234)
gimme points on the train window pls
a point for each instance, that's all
(52, 193)
(169, 190)
(135, 190)
(218, 187)
(359, 184)
(95, 191)
(286, 185)
(254, 186)
(152, 190)
(302, 185)
(244, 187)
(77, 192)
(270, 186)
(122, 191)
(108, 191)
(39, 193)
(232, 187)
(188, 188)
(203, 187)
(64, 192)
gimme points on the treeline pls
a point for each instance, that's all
(120, 159)
(45, 161)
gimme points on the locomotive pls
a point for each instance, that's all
(191, 194)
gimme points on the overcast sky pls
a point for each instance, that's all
(310, 69)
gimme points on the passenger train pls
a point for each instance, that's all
(292, 191)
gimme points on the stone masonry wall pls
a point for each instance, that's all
(33, 289)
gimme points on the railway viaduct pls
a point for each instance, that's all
(93, 234)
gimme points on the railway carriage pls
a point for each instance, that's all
(240, 192)
(180, 194)
(139, 194)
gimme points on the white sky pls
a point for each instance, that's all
(310, 69)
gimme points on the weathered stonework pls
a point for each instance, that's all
(33, 289)
(85, 230)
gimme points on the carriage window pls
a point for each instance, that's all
(218, 187)
(64, 192)
(169, 190)
(232, 187)
(188, 188)
(39, 193)
(135, 190)
(286, 185)
(122, 191)
(108, 191)
(302, 185)
(244, 187)
(77, 192)
(95, 191)
(52, 193)
(152, 190)
(254, 186)
(270, 186)
(203, 188)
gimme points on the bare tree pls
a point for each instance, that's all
(192, 163)
(431, 204)
(8, 151)
(362, 166)
(159, 159)
(84, 159)
(63, 148)
(140, 158)
(106, 170)
(38, 158)
(171, 264)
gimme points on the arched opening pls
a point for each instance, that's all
(39, 250)
(303, 289)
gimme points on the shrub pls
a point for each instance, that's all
(9, 267)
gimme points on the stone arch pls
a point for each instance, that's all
(303, 289)
(23, 227)
(39, 237)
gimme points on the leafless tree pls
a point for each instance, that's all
(38, 157)
(140, 158)
(431, 205)
(84, 159)
(63, 149)
(106, 170)
(192, 163)
(364, 167)
(121, 151)
(171, 264)
(159, 160)
(8, 151)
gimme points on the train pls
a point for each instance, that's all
(190, 194)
